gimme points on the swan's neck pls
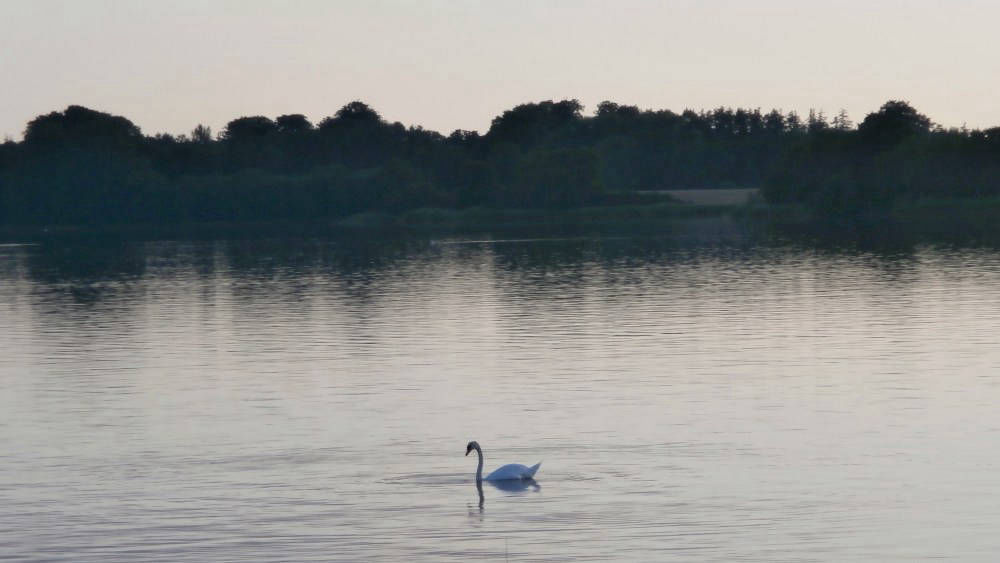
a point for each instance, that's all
(479, 470)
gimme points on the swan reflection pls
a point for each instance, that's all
(513, 486)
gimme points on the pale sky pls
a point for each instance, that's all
(170, 65)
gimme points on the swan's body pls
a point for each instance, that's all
(513, 471)
(507, 472)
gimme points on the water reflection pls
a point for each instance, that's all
(294, 399)
(356, 263)
(361, 255)
(86, 260)
(511, 486)
(514, 486)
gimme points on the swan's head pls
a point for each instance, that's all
(473, 445)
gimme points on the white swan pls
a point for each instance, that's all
(507, 472)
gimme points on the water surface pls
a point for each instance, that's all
(277, 400)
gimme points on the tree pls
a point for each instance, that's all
(611, 109)
(894, 121)
(248, 128)
(202, 134)
(354, 112)
(530, 123)
(462, 136)
(817, 121)
(293, 123)
(774, 122)
(793, 123)
(80, 126)
(842, 122)
(741, 122)
(723, 121)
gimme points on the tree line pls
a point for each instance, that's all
(895, 154)
(81, 166)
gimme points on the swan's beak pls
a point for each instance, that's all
(467, 452)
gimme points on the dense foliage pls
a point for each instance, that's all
(894, 155)
(82, 166)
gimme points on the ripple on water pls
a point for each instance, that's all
(311, 400)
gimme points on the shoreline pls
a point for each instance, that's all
(421, 220)
(939, 219)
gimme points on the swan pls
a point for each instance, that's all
(507, 472)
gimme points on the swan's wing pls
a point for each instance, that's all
(513, 471)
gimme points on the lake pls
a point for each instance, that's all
(691, 398)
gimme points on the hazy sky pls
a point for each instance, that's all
(169, 65)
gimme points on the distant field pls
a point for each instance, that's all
(736, 196)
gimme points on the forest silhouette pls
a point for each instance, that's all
(85, 167)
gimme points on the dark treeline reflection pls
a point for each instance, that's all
(84, 167)
(91, 264)
(86, 270)
(86, 261)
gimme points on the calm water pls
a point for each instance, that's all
(311, 400)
